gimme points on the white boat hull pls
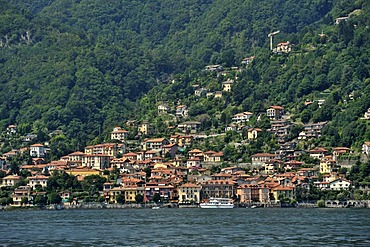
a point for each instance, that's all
(216, 206)
(217, 203)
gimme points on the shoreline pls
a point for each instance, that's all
(85, 206)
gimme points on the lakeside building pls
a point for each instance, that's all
(218, 188)
(189, 193)
(19, 194)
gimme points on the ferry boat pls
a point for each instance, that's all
(217, 203)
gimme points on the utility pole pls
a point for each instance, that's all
(271, 35)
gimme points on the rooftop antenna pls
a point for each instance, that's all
(271, 35)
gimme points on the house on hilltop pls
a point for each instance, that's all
(214, 68)
(340, 19)
(181, 111)
(366, 148)
(189, 126)
(145, 128)
(260, 159)
(253, 133)
(311, 130)
(37, 150)
(119, 134)
(10, 180)
(275, 112)
(248, 60)
(283, 47)
(155, 144)
(367, 115)
(38, 181)
(163, 109)
(318, 153)
(227, 85)
(242, 117)
(11, 129)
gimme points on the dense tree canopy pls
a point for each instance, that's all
(85, 66)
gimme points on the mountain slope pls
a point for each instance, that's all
(86, 63)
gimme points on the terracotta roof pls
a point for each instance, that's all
(38, 177)
(256, 129)
(76, 154)
(169, 145)
(281, 188)
(37, 145)
(263, 155)
(219, 154)
(193, 159)
(276, 107)
(318, 150)
(156, 140)
(189, 185)
(119, 131)
(14, 177)
(130, 154)
(340, 148)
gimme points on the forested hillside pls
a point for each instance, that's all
(84, 66)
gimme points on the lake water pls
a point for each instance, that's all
(186, 227)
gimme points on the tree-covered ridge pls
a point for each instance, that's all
(79, 66)
(329, 62)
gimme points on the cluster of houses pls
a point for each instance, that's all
(182, 176)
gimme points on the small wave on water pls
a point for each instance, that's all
(186, 227)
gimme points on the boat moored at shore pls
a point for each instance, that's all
(218, 203)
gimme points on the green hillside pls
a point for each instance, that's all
(85, 66)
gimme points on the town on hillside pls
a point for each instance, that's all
(264, 156)
(170, 169)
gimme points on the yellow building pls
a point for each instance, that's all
(10, 180)
(83, 171)
(112, 194)
(253, 133)
(145, 128)
(327, 166)
(19, 193)
(227, 85)
(130, 193)
(283, 192)
(189, 193)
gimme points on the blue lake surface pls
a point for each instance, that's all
(186, 227)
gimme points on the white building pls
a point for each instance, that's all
(242, 117)
(181, 111)
(275, 112)
(339, 184)
(118, 134)
(37, 150)
(38, 180)
(367, 115)
(366, 148)
(163, 109)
